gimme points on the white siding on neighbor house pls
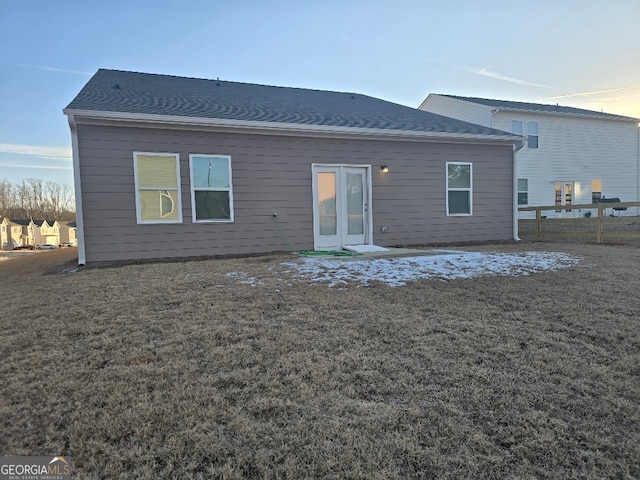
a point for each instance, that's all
(5, 244)
(570, 149)
(460, 109)
(47, 234)
(68, 234)
(577, 150)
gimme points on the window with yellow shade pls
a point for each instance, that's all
(157, 181)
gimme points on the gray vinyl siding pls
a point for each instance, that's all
(273, 174)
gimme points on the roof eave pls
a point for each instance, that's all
(595, 116)
(282, 127)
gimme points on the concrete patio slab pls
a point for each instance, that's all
(391, 252)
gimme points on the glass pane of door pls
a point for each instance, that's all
(327, 203)
(568, 194)
(355, 204)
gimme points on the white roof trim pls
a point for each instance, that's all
(283, 127)
(595, 115)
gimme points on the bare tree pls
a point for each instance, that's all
(54, 200)
(37, 205)
(57, 200)
(6, 198)
(22, 204)
(68, 204)
(34, 198)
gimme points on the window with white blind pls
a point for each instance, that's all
(157, 183)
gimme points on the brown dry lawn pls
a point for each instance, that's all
(176, 370)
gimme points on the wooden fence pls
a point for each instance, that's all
(599, 222)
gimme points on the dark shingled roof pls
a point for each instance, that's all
(21, 221)
(542, 108)
(26, 221)
(40, 221)
(143, 93)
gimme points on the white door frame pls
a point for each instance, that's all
(368, 217)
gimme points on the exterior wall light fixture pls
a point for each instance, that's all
(384, 169)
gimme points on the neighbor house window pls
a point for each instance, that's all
(532, 134)
(157, 183)
(523, 191)
(211, 188)
(459, 189)
(596, 191)
(516, 127)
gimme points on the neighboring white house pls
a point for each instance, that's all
(22, 231)
(572, 156)
(10, 234)
(69, 233)
(46, 232)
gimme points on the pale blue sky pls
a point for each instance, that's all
(581, 53)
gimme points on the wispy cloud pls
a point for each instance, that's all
(595, 92)
(485, 72)
(57, 70)
(617, 98)
(55, 153)
(499, 76)
(40, 167)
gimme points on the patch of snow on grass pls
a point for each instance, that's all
(397, 272)
(243, 277)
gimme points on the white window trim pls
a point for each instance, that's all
(137, 188)
(318, 167)
(522, 191)
(537, 135)
(193, 189)
(470, 189)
